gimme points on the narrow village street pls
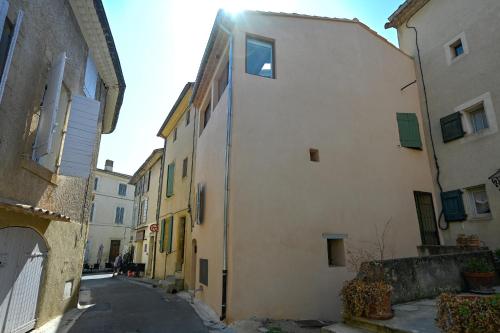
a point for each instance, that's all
(121, 306)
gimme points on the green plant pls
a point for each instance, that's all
(497, 254)
(468, 314)
(358, 295)
(479, 266)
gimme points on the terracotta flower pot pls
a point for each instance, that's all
(462, 240)
(382, 310)
(480, 281)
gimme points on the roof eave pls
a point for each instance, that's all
(151, 160)
(183, 93)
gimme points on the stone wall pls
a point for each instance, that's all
(423, 277)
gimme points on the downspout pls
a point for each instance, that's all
(158, 203)
(436, 163)
(226, 170)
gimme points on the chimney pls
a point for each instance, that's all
(109, 165)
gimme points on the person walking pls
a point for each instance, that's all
(117, 265)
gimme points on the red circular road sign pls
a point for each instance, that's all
(153, 228)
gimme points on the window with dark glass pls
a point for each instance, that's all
(260, 57)
(184, 167)
(457, 48)
(222, 81)
(206, 115)
(8, 29)
(122, 189)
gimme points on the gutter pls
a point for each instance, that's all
(229, 128)
(106, 29)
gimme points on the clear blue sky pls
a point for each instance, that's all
(160, 44)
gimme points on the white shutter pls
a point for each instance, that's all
(81, 135)
(50, 108)
(12, 45)
(90, 82)
(145, 211)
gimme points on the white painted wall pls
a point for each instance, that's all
(103, 228)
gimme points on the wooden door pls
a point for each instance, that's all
(426, 218)
(22, 258)
(114, 250)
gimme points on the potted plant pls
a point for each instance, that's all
(480, 275)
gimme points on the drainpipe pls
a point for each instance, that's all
(226, 170)
(434, 154)
(158, 202)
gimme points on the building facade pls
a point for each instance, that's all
(61, 87)
(460, 87)
(175, 222)
(309, 150)
(110, 220)
(146, 181)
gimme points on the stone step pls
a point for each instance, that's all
(342, 328)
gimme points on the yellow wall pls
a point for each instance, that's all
(167, 264)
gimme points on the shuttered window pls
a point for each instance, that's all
(144, 210)
(451, 127)
(91, 78)
(162, 235)
(49, 108)
(200, 204)
(81, 136)
(122, 189)
(409, 133)
(170, 234)
(453, 206)
(8, 41)
(170, 179)
(120, 212)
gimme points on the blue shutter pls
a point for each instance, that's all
(409, 133)
(453, 206)
(451, 127)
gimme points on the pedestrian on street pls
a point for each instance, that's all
(117, 265)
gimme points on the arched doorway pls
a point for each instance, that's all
(192, 278)
(22, 256)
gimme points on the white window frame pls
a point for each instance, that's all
(489, 110)
(474, 215)
(450, 57)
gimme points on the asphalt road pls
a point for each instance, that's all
(122, 306)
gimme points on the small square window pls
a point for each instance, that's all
(96, 183)
(314, 155)
(478, 119)
(479, 201)
(175, 134)
(260, 57)
(457, 48)
(336, 252)
(204, 272)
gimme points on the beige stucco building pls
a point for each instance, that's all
(61, 87)
(457, 60)
(306, 156)
(146, 181)
(173, 257)
(110, 220)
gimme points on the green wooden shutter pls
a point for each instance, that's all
(170, 179)
(170, 234)
(453, 206)
(451, 127)
(162, 234)
(409, 133)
